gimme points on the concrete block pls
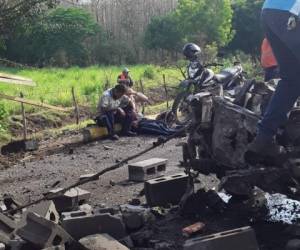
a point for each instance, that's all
(166, 190)
(102, 242)
(7, 227)
(237, 239)
(96, 223)
(148, 169)
(47, 210)
(42, 232)
(71, 199)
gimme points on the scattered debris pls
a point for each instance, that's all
(237, 239)
(101, 242)
(42, 233)
(192, 229)
(107, 147)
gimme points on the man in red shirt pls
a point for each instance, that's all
(125, 79)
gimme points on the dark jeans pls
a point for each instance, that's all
(154, 127)
(271, 73)
(286, 48)
(110, 118)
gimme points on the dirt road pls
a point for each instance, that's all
(28, 180)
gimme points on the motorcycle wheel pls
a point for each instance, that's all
(181, 109)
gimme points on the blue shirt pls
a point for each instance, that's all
(292, 6)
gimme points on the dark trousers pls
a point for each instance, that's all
(271, 73)
(154, 127)
(110, 118)
(286, 48)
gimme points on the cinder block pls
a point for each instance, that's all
(80, 224)
(166, 190)
(237, 239)
(42, 232)
(7, 227)
(47, 210)
(148, 169)
(102, 242)
(70, 199)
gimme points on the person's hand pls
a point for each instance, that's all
(121, 112)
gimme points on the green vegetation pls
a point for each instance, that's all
(200, 21)
(54, 84)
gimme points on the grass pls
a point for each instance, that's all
(54, 87)
(54, 84)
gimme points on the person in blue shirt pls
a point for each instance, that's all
(281, 23)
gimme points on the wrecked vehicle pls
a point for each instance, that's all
(220, 132)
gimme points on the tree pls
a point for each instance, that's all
(56, 38)
(163, 33)
(200, 21)
(246, 23)
(13, 12)
(206, 20)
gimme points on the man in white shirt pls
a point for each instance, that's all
(114, 107)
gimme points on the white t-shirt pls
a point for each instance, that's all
(107, 102)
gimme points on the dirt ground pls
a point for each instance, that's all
(42, 171)
(28, 180)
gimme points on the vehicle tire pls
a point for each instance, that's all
(180, 105)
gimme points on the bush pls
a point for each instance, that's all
(149, 72)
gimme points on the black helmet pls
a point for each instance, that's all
(191, 50)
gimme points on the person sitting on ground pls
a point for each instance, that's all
(115, 107)
(124, 78)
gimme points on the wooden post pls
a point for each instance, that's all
(75, 105)
(23, 119)
(142, 90)
(166, 90)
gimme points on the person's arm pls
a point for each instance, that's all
(105, 105)
(140, 97)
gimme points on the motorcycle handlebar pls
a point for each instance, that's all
(213, 65)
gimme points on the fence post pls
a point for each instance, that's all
(166, 90)
(23, 118)
(75, 105)
(142, 90)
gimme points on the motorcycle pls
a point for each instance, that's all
(201, 78)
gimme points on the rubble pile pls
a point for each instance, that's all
(175, 216)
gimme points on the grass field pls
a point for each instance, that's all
(54, 84)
